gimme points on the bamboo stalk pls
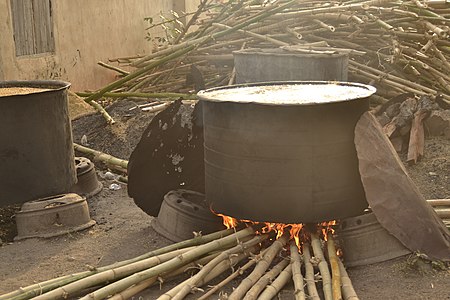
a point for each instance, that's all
(100, 156)
(195, 280)
(235, 274)
(273, 289)
(37, 289)
(309, 273)
(131, 291)
(167, 266)
(323, 267)
(109, 275)
(141, 95)
(192, 20)
(347, 288)
(183, 49)
(123, 72)
(260, 268)
(102, 111)
(255, 35)
(439, 202)
(268, 277)
(297, 277)
(336, 275)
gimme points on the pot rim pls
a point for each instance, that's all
(204, 94)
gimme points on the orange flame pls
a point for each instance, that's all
(295, 230)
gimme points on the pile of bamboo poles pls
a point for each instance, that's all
(263, 264)
(398, 46)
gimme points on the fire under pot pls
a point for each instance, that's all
(284, 152)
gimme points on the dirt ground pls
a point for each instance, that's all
(123, 230)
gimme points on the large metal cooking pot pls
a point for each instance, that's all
(36, 149)
(284, 152)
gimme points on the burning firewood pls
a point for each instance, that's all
(335, 272)
(276, 286)
(323, 266)
(260, 268)
(297, 277)
(347, 287)
(214, 253)
(309, 273)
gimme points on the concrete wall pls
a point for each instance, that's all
(86, 31)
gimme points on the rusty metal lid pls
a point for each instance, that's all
(289, 93)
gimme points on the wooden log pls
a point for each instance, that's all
(417, 137)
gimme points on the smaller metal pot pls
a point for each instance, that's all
(53, 216)
(364, 241)
(184, 212)
(87, 184)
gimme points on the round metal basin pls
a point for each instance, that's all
(87, 184)
(364, 241)
(184, 212)
(53, 216)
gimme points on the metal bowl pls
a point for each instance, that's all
(53, 216)
(184, 212)
(88, 184)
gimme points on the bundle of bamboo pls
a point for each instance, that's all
(398, 46)
(215, 253)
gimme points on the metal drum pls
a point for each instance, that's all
(284, 152)
(36, 150)
(263, 65)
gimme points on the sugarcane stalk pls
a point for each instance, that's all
(235, 274)
(347, 288)
(276, 286)
(297, 277)
(309, 274)
(119, 70)
(167, 266)
(109, 275)
(323, 267)
(100, 156)
(336, 275)
(141, 95)
(196, 279)
(260, 268)
(268, 277)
